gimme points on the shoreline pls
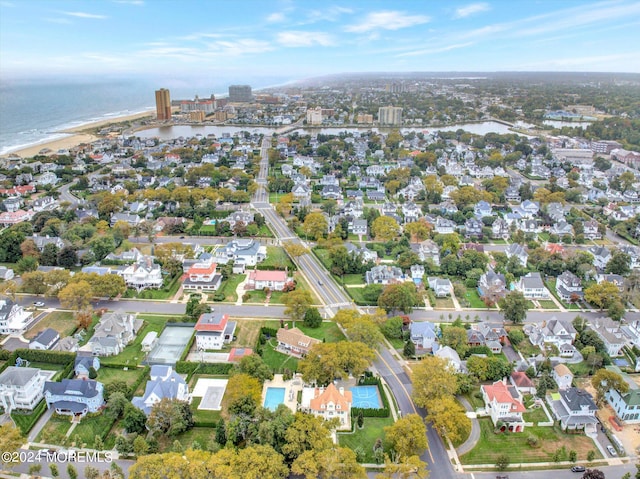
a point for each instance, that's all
(77, 135)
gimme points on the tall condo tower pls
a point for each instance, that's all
(163, 104)
(390, 115)
(240, 94)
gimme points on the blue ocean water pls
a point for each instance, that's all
(33, 112)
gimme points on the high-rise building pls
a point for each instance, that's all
(163, 104)
(240, 94)
(390, 115)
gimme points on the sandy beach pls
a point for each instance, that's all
(77, 136)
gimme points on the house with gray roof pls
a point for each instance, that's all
(554, 331)
(46, 339)
(384, 275)
(241, 250)
(441, 286)
(519, 251)
(532, 286)
(21, 387)
(451, 355)
(575, 409)
(626, 405)
(367, 254)
(611, 334)
(74, 397)
(83, 364)
(601, 256)
(423, 335)
(165, 383)
(113, 333)
(569, 286)
(492, 285)
(13, 317)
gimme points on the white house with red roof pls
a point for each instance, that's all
(504, 404)
(274, 280)
(9, 218)
(214, 330)
(329, 403)
(202, 276)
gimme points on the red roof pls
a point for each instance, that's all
(268, 275)
(521, 380)
(196, 269)
(236, 354)
(499, 392)
(212, 322)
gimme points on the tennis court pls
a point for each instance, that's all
(170, 345)
(366, 397)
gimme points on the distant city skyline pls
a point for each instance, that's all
(179, 41)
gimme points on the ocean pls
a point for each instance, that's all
(37, 111)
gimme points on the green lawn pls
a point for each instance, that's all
(202, 435)
(328, 330)
(108, 375)
(357, 295)
(515, 445)
(548, 304)
(61, 321)
(230, 285)
(54, 430)
(200, 415)
(278, 361)
(277, 258)
(168, 290)
(581, 369)
(365, 438)
(444, 303)
(352, 279)
(473, 299)
(133, 354)
(535, 415)
(323, 255)
(25, 422)
(90, 427)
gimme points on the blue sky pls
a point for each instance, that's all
(191, 39)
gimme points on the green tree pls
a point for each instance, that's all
(67, 257)
(26, 264)
(365, 331)
(315, 225)
(514, 307)
(140, 446)
(401, 297)
(90, 472)
(53, 468)
(409, 349)
(619, 263)
(49, 256)
(76, 296)
(297, 303)
(602, 295)
(170, 417)
(254, 366)
(407, 436)
(385, 228)
(604, 380)
(455, 338)
(312, 318)
(134, 420)
(433, 379)
(72, 472)
(116, 405)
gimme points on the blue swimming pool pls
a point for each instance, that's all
(273, 398)
(621, 362)
(366, 397)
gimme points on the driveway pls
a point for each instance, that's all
(37, 427)
(510, 353)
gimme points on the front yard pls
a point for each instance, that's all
(516, 445)
(473, 299)
(366, 437)
(230, 285)
(61, 321)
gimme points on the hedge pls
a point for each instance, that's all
(26, 421)
(4, 354)
(185, 353)
(45, 356)
(189, 368)
(143, 377)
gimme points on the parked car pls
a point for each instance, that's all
(612, 451)
(320, 282)
(38, 304)
(578, 469)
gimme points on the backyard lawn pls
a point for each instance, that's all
(133, 354)
(328, 330)
(352, 279)
(366, 437)
(200, 415)
(535, 415)
(357, 295)
(515, 445)
(277, 258)
(277, 361)
(247, 333)
(108, 375)
(61, 321)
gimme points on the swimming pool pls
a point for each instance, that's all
(273, 398)
(366, 397)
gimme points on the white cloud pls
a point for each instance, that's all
(85, 15)
(330, 14)
(387, 20)
(430, 51)
(295, 38)
(276, 17)
(131, 2)
(471, 9)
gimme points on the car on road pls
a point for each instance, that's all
(578, 469)
(320, 283)
(38, 304)
(612, 451)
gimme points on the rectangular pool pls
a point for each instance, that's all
(366, 397)
(273, 398)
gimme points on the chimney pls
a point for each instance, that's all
(341, 391)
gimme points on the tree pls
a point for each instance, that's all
(385, 228)
(258, 461)
(514, 307)
(72, 472)
(26, 264)
(54, 470)
(604, 380)
(76, 296)
(84, 319)
(392, 328)
(503, 462)
(334, 463)
(312, 318)
(602, 295)
(407, 436)
(619, 263)
(239, 386)
(616, 311)
(49, 255)
(98, 444)
(116, 404)
(140, 446)
(297, 302)
(449, 418)
(365, 331)
(593, 473)
(456, 338)
(102, 246)
(409, 349)
(315, 225)
(419, 230)
(67, 257)
(89, 472)
(400, 296)
(406, 468)
(433, 379)
(306, 433)
(294, 249)
(326, 361)
(170, 417)
(28, 248)
(254, 366)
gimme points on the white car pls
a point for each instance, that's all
(612, 451)
(38, 304)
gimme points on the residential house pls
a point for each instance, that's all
(274, 280)
(144, 274)
(601, 256)
(294, 342)
(528, 209)
(492, 285)
(427, 250)
(569, 287)
(562, 375)
(331, 192)
(556, 332)
(561, 228)
(634, 255)
(512, 193)
(359, 227)
(500, 229)
(575, 409)
(611, 334)
(6, 274)
(482, 209)
(13, 318)
(411, 212)
(450, 354)
(626, 405)
(518, 251)
(532, 286)
(244, 217)
(164, 383)
(591, 230)
(12, 204)
(130, 219)
(46, 339)
(384, 275)
(74, 397)
(487, 334)
(441, 286)
(11, 218)
(365, 253)
(529, 226)
(213, 331)
(473, 228)
(523, 384)
(241, 250)
(21, 387)
(83, 363)
(444, 226)
(373, 195)
(423, 335)
(112, 333)
(66, 345)
(302, 193)
(504, 404)
(417, 273)
(202, 276)
(611, 278)
(329, 403)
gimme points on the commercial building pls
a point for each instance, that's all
(163, 104)
(390, 115)
(240, 94)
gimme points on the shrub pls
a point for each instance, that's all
(503, 462)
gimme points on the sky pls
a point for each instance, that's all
(286, 39)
